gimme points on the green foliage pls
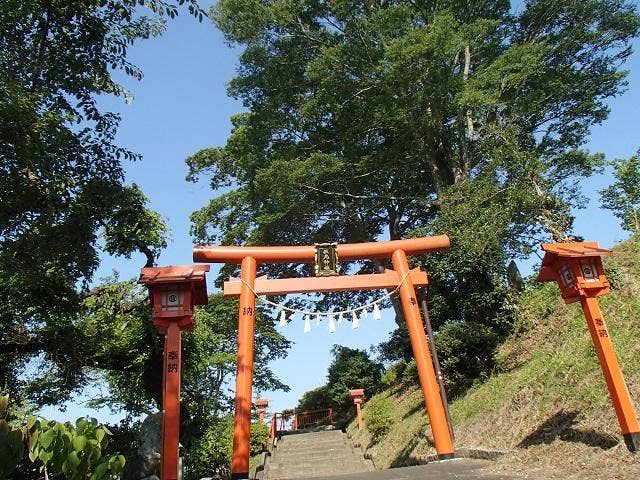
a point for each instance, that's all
(377, 417)
(371, 120)
(623, 196)
(259, 438)
(466, 353)
(75, 451)
(350, 369)
(62, 195)
(409, 377)
(11, 441)
(316, 399)
(211, 453)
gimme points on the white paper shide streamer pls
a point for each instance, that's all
(358, 314)
(332, 324)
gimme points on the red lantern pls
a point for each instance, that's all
(577, 267)
(174, 291)
(357, 396)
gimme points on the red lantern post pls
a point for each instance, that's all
(174, 291)
(357, 396)
(577, 267)
(261, 407)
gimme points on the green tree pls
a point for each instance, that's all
(350, 369)
(316, 399)
(62, 196)
(368, 120)
(115, 341)
(623, 196)
(120, 341)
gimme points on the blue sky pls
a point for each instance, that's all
(181, 106)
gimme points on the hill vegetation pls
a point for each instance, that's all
(546, 405)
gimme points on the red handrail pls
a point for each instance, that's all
(284, 422)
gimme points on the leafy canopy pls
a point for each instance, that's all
(62, 195)
(623, 196)
(371, 120)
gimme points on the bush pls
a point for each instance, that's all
(211, 454)
(409, 377)
(259, 437)
(377, 417)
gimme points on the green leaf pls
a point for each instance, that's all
(73, 461)
(31, 421)
(81, 423)
(33, 454)
(100, 434)
(47, 437)
(116, 463)
(79, 443)
(45, 456)
(101, 470)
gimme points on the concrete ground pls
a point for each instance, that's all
(458, 469)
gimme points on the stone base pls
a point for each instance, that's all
(632, 441)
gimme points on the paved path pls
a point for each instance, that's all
(458, 469)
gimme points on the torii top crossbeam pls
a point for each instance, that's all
(306, 254)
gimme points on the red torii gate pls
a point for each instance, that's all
(248, 286)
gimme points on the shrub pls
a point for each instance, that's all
(409, 377)
(377, 417)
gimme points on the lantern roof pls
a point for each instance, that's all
(359, 392)
(193, 274)
(555, 251)
(261, 402)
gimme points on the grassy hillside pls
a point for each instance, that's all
(547, 404)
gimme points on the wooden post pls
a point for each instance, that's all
(612, 373)
(244, 375)
(171, 402)
(357, 395)
(428, 381)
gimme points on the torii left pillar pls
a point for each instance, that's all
(174, 291)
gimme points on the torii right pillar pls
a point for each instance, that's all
(577, 267)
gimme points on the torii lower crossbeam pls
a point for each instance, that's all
(283, 286)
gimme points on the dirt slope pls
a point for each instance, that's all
(547, 405)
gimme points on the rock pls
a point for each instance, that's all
(146, 464)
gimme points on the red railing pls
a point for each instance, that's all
(314, 418)
(291, 421)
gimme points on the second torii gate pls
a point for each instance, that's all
(248, 286)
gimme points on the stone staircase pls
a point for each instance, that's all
(314, 454)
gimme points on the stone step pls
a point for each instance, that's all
(312, 441)
(307, 437)
(298, 474)
(317, 462)
(327, 449)
(313, 455)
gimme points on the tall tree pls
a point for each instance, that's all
(370, 119)
(62, 195)
(623, 196)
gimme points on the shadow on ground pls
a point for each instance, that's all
(560, 426)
